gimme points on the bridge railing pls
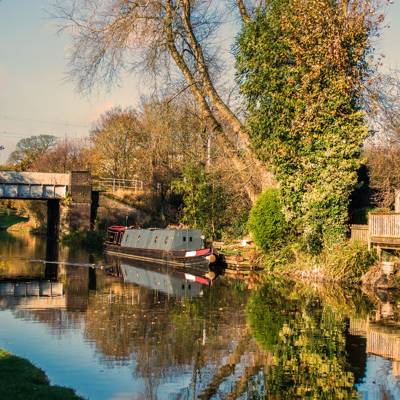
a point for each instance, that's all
(114, 184)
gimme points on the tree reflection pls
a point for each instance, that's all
(170, 336)
(306, 338)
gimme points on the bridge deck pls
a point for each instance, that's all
(33, 185)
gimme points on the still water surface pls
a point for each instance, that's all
(133, 332)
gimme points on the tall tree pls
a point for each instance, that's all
(302, 65)
(113, 35)
(116, 140)
(382, 151)
(29, 149)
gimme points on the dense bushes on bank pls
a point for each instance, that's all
(267, 223)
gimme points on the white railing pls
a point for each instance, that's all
(114, 184)
(384, 225)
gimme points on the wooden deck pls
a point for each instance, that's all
(382, 231)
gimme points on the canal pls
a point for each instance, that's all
(124, 330)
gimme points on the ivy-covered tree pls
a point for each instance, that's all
(302, 65)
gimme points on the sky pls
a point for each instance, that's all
(35, 96)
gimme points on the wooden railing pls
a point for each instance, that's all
(384, 225)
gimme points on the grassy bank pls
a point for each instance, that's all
(8, 220)
(345, 263)
(20, 380)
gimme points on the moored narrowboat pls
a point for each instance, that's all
(179, 247)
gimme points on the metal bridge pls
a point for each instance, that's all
(33, 185)
(46, 186)
(83, 192)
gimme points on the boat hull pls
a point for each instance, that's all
(174, 258)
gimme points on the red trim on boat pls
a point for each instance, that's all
(203, 281)
(117, 228)
(198, 253)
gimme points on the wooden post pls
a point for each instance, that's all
(397, 201)
(379, 252)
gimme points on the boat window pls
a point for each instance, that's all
(184, 238)
(190, 239)
(166, 240)
(138, 238)
(155, 239)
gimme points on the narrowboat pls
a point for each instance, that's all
(176, 247)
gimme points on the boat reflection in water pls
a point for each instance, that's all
(171, 281)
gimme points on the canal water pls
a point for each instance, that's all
(123, 330)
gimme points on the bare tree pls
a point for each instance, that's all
(65, 156)
(117, 138)
(152, 35)
(382, 150)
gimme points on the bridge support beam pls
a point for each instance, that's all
(53, 219)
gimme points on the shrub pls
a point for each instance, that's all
(267, 223)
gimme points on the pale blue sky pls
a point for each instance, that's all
(36, 99)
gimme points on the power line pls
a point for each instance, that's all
(41, 121)
(15, 135)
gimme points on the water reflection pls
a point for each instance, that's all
(134, 331)
(160, 278)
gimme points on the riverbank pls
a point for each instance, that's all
(346, 263)
(9, 220)
(20, 380)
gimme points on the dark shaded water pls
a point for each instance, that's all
(145, 333)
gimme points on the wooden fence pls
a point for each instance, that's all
(359, 233)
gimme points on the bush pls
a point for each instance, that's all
(267, 223)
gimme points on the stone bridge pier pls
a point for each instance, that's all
(71, 202)
(77, 211)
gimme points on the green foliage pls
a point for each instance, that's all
(266, 222)
(268, 310)
(20, 380)
(204, 201)
(307, 340)
(301, 65)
